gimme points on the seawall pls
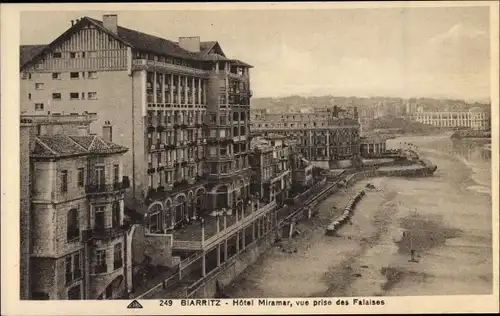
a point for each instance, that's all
(236, 265)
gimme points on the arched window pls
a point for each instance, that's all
(73, 229)
(155, 224)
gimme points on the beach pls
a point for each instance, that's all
(445, 218)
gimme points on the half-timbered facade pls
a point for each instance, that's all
(183, 105)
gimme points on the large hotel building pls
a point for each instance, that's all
(182, 110)
(474, 119)
(326, 135)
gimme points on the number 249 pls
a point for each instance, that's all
(166, 302)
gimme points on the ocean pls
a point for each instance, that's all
(446, 219)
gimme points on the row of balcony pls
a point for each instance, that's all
(145, 64)
(173, 165)
(176, 186)
(181, 101)
(163, 127)
(177, 145)
(153, 65)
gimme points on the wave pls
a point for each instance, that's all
(479, 175)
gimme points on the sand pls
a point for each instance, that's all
(443, 218)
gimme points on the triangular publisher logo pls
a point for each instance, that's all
(134, 304)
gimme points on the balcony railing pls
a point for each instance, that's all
(107, 233)
(105, 188)
(152, 64)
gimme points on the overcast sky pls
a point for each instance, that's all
(434, 52)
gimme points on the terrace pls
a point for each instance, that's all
(201, 236)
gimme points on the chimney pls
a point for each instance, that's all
(72, 22)
(110, 22)
(191, 44)
(107, 131)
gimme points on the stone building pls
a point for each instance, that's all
(25, 140)
(182, 108)
(475, 119)
(270, 161)
(76, 219)
(372, 146)
(326, 135)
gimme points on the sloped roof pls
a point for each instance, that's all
(27, 52)
(213, 57)
(205, 47)
(58, 146)
(238, 62)
(150, 43)
(135, 39)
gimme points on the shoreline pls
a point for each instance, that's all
(371, 257)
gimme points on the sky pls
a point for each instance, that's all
(394, 52)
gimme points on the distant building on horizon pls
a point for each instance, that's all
(475, 118)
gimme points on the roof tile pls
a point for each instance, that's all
(63, 145)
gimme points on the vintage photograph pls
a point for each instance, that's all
(175, 154)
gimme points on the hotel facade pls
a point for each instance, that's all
(182, 109)
(327, 135)
(475, 119)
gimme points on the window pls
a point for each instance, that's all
(100, 176)
(73, 267)
(83, 55)
(154, 222)
(72, 227)
(24, 75)
(74, 96)
(38, 86)
(118, 261)
(223, 168)
(74, 75)
(116, 214)
(100, 261)
(83, 95)
(81, 177)
(64, 181)
(72, 55)
(92, 95)
(56, 96)
(56, 75)
(92, 75)
(99, 218)
(116, 173)
(29, 96)
(56, 55)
